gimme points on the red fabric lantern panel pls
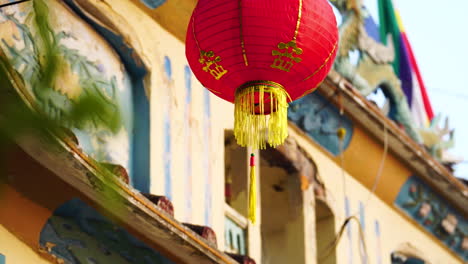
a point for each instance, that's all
(247, 51)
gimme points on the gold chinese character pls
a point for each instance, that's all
(210, 64)
(285, 60)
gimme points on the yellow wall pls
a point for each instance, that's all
(363, 149)
(15, 251)
(395, 229)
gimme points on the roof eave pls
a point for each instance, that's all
(401, 145)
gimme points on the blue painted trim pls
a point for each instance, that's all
(168, 67)
(140, 152)
(188, 139)
(141, 139)
(207, 138)
(378, 244)
(153, 4)
(362, 215)
(167, 134)
(377, 228)
(348, 213)
(167, 157)
(362, 221)
(2, 259)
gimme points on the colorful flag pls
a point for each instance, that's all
(405, 65)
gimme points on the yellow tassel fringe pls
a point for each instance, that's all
(253, 128)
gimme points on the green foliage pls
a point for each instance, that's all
(51, 52)
(40, 63)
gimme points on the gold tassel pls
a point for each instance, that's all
(253, 126)
(252, 191)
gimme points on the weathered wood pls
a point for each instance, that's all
(70, 135)
(401, 145)
(241, 259)
(118, 171)
(145, 220)
(204, 231)
(162, 202)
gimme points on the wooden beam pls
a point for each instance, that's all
(401, 145)
(134, 211)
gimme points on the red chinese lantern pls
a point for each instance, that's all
(260, 54)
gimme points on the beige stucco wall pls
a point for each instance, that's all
(15, 251)
(395, 228)
(166, 93)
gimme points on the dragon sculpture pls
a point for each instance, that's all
(438, 140)
(373, 69)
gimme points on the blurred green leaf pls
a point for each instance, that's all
(90, 110)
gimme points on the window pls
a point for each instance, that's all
(325, 232)
(236, 172)
(285, 236)
(235, 232)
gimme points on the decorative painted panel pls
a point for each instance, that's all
(321, 120)
(94, 60)
(139, 113)
(435, 215)
(78, 234)
(84, 69)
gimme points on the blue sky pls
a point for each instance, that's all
(438, 33)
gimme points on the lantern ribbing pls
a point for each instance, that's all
(244, 53)
(288, 45)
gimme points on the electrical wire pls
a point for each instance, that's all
(331, 247)
(342, 165)
(381, 166)
(364, 255)
(13, 3)
(341, 134)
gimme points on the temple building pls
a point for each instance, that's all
(364, 176)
